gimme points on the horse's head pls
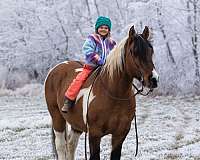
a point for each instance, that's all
(138, 57)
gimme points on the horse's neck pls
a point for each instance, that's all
(119, 85)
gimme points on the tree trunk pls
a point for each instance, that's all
(97, 8)
(194, 38)
(88, 7)
(64, 31)
(194, 42)
(120, 11)
(161, 26)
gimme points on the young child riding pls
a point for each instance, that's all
(96, 48)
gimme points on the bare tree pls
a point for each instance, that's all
(118, 7)
(97, 8)
(192, 6)
(63, 30)
(161, 27)
(88, 7)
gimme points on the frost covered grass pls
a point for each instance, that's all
(168, 128)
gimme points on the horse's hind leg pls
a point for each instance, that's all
(72, 143)
(59, 128)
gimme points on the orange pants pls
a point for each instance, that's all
(77, 83)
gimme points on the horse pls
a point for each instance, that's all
(105, 105)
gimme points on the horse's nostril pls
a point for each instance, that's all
(154, 82)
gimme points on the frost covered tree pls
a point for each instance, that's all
(36, 35)
(193, 27)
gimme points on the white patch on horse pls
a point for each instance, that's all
(60, 145)
(72, 138)
(72, 144)
(65, 62)
(78, 69)
(85, 92)
(155, 75)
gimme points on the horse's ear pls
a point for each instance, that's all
(150, 35)
(145, 33)
(132, 31)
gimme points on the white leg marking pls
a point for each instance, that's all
(85, 92)
(155, 75)
(72, 144)
(60, 145)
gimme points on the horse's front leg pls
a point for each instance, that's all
(117, 141)
(94, 143)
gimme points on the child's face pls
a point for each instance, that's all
(103, 30)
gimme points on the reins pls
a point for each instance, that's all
(139, 91)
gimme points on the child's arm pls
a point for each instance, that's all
(89, 48)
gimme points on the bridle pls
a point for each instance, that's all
(139, 91)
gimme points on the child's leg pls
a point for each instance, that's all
(77, 83)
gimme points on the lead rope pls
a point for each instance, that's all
(136, 133)
(139, 91)
(136, 137)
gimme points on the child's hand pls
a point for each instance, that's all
(100, 62)
(97, 57)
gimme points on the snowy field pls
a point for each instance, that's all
(168, 128)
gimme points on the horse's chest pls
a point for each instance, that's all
(119, 123)
(87, 98)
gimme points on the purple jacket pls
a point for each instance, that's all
(93, 45)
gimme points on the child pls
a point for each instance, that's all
(96, 48)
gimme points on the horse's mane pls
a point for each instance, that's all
(141, 48)
(114, 61)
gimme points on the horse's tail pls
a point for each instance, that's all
(55, 154)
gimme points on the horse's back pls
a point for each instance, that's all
(57, 81)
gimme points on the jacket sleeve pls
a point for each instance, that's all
(88, 49)
(113, 43)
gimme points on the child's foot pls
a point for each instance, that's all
(67, 105)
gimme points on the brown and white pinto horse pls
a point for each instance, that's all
(131, 58)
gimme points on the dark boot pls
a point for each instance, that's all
(67, 105)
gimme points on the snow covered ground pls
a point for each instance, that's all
(168, 128)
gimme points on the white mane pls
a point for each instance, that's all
(114, 60)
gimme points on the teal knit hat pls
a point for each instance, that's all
(103, 21)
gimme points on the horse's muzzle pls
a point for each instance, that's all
(153, 79)
(153, 82)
